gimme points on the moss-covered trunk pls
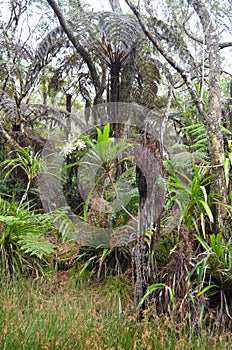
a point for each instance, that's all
(212, 119)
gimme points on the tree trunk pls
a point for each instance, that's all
(114, 81)
(115, 5)
(214, 115)
(152, 196)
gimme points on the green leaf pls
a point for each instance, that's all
(203, 243)
(10, 220)
(36, 246)
(116, 150)
(207, 209)
(99, 135)
(206, 289)
(106, 132)
(105, 135)
(227, 166)
(150, 290)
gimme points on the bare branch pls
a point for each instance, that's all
(115, 5)
(192, 36)
(225, 44)
(169, 58)
(80, 49)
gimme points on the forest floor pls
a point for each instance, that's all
(59, 312)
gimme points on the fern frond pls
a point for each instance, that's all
(47, 48)
(40, 112)
(120, 30)
(35, 246)
(198, 140)
(148, 79)
(175, 42)
(49, 45)
(195, 128)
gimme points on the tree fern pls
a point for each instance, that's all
(117, 40)
(175, 43)
(148, 78)
(46, 49)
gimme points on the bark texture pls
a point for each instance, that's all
(115, 5)
(149, 172)
(214, 114)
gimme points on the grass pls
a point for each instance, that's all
(51, 314)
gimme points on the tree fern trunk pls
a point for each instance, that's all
(152, 195)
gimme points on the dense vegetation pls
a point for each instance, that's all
(115, 176)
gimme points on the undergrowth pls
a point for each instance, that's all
(58, 312)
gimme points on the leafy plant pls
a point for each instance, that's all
(28, 162)
(97, 169)
(213, 268)
(22, 243)
(217, 259)
(196, 141)
(191, 196)
(158, 286)
(102, 262)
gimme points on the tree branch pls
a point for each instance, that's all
(185, 76)
(225, 44)
(199, 40)
(192, 36)
(80, 49)
(115, 5)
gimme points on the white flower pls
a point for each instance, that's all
(80, 144)
(72, 145)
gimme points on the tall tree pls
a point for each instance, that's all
(157, 30)
(171, 42)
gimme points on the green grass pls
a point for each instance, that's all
(43, 314)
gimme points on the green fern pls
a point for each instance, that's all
(22, 236)
(35, 245)
(197, 141)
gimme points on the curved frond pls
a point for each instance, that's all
(119, 30)
(149, 77)
(47, 48)
(49, 45)
(56, 116)
(197, 134)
